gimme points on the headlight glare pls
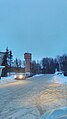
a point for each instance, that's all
(20, 76)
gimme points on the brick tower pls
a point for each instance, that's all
(28, 57)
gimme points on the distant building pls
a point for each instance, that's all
(28, 58)
(1, 60)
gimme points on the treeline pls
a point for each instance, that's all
(45, 66)
(10, 63)
(50, 65)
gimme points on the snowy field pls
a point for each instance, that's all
(38, 97)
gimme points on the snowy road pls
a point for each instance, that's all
(31, 98)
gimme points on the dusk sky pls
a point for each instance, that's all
(35, 26)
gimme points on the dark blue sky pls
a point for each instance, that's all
(36, 26)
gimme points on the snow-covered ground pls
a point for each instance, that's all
(60, 113)
(5, 80)
(38, 75)
(61, 79)
(9, 79)
(38, 97)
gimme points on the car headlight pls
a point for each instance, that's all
(20, 76)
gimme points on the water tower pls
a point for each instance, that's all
(28, 57)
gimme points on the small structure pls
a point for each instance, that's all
(28, 58)
(1, 60)
(1, 67)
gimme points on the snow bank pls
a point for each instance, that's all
(60, 113)
(37, 75)
(5, 80)
(61, 79)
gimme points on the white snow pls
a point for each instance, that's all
(35, 98)
(60, 113)
(26, 114)
(38, 75)
(8, 79)
(61, 79)
(5, 80)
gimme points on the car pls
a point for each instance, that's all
(28, 74)
(19, 76)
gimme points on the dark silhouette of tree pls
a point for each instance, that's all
(16, 62)
(51, 66)
(38, 67)
(20, 63)
(5, 63)
(35, 67)
(48, 65)
(56, 65)
(63, 62)
(10, 57)
(45, 64)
